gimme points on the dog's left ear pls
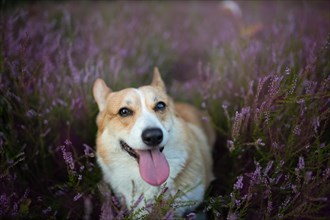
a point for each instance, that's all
(100, 92)
(157, 80)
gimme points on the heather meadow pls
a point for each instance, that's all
(262, 73)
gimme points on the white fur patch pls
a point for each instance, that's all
(146, 119)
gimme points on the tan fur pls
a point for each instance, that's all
(200, 160)
(192, 115)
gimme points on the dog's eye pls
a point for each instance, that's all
(124, 112)
(160, 106)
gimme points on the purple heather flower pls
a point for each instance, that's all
(239, 183)
(67, 156)
(137, 202)
(237, 125)
(285, 203)
(297, 130)
(107, 211)
(267, 116)
(225, 109)
(237, 202)
(77, 196)
(88, 151)
(293, 86)
(31, 113)
(274, 87)
(47, 210)
(205, 119)
(316, 124)
(230, 145)
(287, 70)
(45, 133)
(312, 87)
(60, 192)
(12, 95)
(259, 142)
(14, 210)
(278, 178)
(326, 173)
(294, 188)
(301, 163)
(170, 214)
(191, 216)
(4, 204)
(256, 175)
(81, 168)
(269, 206)
(269, 166)
(115, 201)
(232, 216)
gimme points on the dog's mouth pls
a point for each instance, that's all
(129, 150)
(153, 165)
(133, 152)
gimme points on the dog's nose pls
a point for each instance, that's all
(152, 136)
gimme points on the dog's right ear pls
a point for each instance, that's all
(157, 80)
(100, 92)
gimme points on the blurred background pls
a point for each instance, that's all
(260, 68)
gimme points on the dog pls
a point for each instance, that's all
(145, 141)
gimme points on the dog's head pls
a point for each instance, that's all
(135, 124)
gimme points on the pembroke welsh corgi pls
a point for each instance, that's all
(145, 140)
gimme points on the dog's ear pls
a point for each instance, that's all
(157, 80)
(100, 92)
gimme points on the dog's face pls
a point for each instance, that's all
(135, 124)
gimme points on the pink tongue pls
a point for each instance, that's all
(154, 168)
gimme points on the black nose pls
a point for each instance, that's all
(152, 136)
